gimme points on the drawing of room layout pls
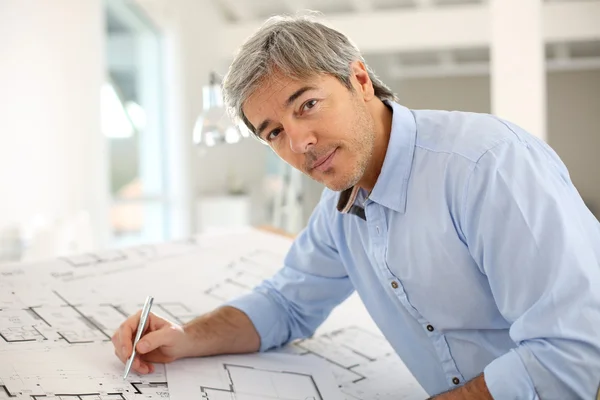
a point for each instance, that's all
(153, 391)
(61, 320)
(89, 266)
(19, 326)
(127, 391)
(364, 364)
(282, 385)
(245, 274)
(241, 282)
(347, 350)
(91, 396)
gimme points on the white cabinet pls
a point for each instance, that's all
(221, 213)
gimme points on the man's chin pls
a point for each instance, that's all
(331, 182)
(337, 186)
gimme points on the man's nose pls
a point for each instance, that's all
(301, 140)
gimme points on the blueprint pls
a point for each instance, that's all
(57, 317)
(252, 377)
(86, 372)
(364, 365)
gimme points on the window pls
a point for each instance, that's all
(132, 122)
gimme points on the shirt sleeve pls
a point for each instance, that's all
(539, 246)
(297, 299)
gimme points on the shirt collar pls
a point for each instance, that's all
(392, 183)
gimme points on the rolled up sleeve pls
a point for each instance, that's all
(298, 298)
(265, 316)
(507, 378)
(539, 246)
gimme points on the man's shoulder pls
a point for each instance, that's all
(466, 134)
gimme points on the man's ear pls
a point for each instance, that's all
(361, 80)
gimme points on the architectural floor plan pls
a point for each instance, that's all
(57, 317)
(89, 371)
(364, 365)
(253, 377)
(281, 385)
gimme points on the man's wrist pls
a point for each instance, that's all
(196, 337)
(224, 330)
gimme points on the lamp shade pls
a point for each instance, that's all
(213, 126)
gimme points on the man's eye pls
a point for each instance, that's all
(273, 134)
(309, 104)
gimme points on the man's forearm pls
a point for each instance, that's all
(475, 389)
(225, 330)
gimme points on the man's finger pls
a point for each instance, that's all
(115, 341)
(156, 357)
(140, 366)
(119, 356)
(153, 340)
(126, 332)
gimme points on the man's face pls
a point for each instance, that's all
(316, 125)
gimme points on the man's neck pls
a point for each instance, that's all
(382, 115)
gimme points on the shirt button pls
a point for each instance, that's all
(395, 285)
(455, 380)
(377, 229)
(430, 329)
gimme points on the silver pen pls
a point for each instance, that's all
(140, 330)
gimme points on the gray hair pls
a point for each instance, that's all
(299, 47)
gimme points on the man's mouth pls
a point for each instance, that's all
(324, 162)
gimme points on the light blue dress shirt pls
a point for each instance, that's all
(473, 253)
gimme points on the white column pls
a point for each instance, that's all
(52, 153)
(518, 76)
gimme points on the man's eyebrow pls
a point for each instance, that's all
(294, 96)
(297, 94)
(262, 127)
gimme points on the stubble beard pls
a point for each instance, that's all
(362, 146)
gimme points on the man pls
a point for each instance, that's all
(461, 232)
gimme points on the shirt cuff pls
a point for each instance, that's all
(506, 378)
(265, 316)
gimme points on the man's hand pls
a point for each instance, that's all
(163, 342)
(475, 389)
(222, 331)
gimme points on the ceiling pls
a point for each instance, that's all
(474, 61)
(574, 55)
(243, 10)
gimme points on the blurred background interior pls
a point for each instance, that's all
(112, 131)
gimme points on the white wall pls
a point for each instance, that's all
(574, 129)
(445, 93)
(51, 71)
